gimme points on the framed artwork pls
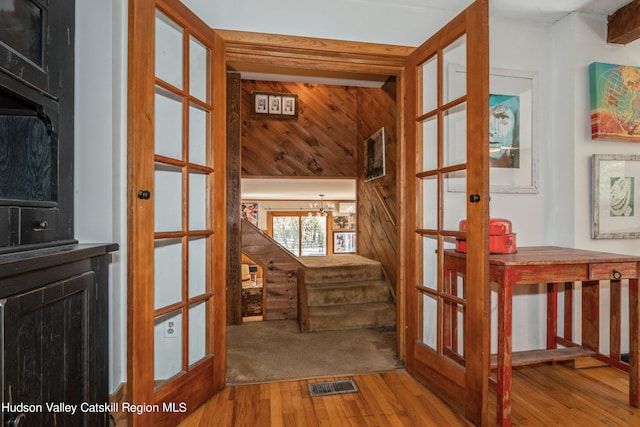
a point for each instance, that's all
(249, 211)
(344, 222)
(614, 89)
(511, 143)
(374, 156)
(615, 191)
(274, 106)
(260, 103)
(289, 105)
(344, 242)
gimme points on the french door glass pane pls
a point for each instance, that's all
(455, 135)
(168, 198)
(314, 235)
(167, 345)
(198, 201)
(197, 266)
(197, 69)
(197, 332)
(453, 321)
(168, 124)
(454, 204)
(429, 190)
(168, 57)
(167, 272)
(429, 79)
(286, 231)
(429, 321)
(454, 64)
(429, 263)
(430, 143)
(197, 135)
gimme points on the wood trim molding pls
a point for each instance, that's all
(623, 25)
(313, 53)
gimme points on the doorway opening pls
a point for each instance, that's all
(296, 149)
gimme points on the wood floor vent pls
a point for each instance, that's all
(332, 387)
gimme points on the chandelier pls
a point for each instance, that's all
(322, 207)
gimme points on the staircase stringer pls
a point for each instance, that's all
(283, 281)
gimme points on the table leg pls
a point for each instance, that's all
(552, 315)
(503, 386)
(591, 314)
(634, 343)
(568, 311)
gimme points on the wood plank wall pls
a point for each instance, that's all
(327, 140)
(320, 143)
(377, 199)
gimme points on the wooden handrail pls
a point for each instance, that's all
(385, 205)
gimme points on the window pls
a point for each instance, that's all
(300, 233)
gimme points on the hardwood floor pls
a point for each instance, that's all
(543, 395)
(386, 399)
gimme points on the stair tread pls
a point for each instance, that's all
(346, 284)
(341, 308)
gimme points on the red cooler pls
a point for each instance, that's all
(502, 239)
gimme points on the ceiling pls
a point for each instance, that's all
(547, 11)
(298, 189)
(544, 11)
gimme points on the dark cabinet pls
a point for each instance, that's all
(36, 123)
(36, 43)
(54, 314)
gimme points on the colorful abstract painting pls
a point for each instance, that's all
(615, 101)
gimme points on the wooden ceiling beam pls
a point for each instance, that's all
(623, 25)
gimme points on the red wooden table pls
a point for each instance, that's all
(560, 267)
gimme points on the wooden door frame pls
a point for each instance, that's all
(325, 55)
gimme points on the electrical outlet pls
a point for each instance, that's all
(169, 329)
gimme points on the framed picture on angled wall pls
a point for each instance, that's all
(374, 156)
(616, 182)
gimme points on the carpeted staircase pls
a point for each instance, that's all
(347, 292)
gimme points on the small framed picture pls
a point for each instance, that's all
(282, 106)
(275, 104)
(374, 156)
(289, 105)
(344, 242)
(261, 103)
(616, 181)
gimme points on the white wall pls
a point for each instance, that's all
(559, 55)
(589, 35)
(100, 152)
(590, 46)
